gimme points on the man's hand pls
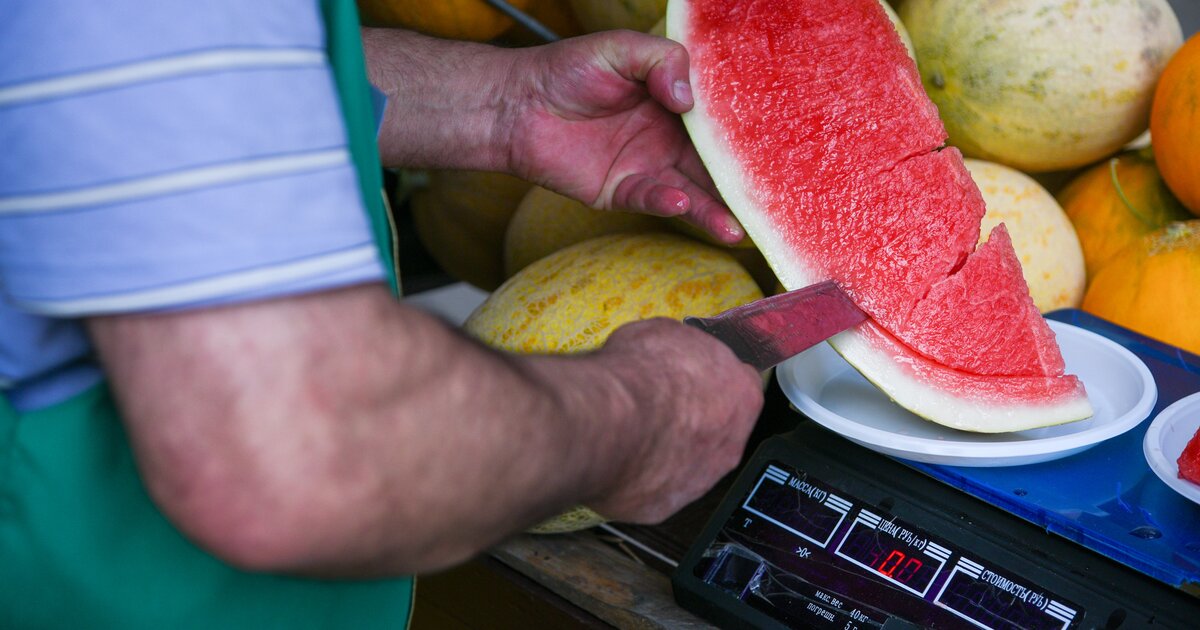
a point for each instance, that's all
(597, 118)
(699, 404)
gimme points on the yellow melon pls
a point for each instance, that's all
(461, 218)
(1042, 85)
(546, 222)
(571, 300)
(745, 251)
(1045, 241)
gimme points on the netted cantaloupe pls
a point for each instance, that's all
(571, 300)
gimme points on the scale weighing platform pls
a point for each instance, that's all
(819, 532)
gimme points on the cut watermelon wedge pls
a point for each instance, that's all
(811, 118)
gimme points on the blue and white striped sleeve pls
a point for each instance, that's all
(171, 154)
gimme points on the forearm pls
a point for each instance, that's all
(346, 434)
(446, 100)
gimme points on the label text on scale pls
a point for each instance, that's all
(820, 520)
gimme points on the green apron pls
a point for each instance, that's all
(82, 546)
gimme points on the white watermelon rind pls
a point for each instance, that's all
(957, 412)
(937, 405)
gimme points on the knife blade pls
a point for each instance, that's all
(766, 332)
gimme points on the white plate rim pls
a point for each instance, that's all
(965, 452)
(1165, 464)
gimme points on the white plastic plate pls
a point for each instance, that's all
(1170, 432)
(820, 384)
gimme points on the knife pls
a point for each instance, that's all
(766, 332)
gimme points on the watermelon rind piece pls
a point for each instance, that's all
(988, 406)
(932, 391)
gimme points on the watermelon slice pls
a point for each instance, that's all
(811, 118)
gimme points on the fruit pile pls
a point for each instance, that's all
(1095, 102)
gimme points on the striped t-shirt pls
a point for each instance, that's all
(162, 155)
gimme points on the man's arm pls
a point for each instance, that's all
(346, 434)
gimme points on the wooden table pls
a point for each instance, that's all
(591, 578)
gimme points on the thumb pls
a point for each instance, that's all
(658, 62)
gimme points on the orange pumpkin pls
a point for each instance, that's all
(453, 19)
(1175, 124)
(1153, 286)
(1116, 202)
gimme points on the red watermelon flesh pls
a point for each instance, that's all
(989, 284)
(1189, 460)
(811, 118)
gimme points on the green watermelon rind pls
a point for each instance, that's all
(922, 398)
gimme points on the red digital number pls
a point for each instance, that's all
(910, 569)
(899, 567)
(891, 563)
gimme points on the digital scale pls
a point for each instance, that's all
(818, 532)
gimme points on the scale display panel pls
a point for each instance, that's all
(818, 532)
(808, 554)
